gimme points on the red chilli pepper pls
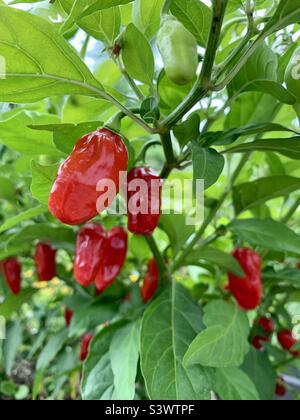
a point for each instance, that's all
(112, 258)
(257, 342)
(85, 345)
(45, 264)
(11, 269)
(144, 201)
(281, 388)
(151, 281)
(68, 316)
(287, 341)
(267, 324)
(247, 290)
(98, 156)
(90, 241)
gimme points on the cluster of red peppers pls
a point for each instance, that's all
(45, 264)
(100, 255)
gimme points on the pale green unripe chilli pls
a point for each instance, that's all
(292, 75)
(178, 50)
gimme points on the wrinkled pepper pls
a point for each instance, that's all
(247, 290)
(112, 258)
(11, 269)
(98, 156)
(45, 261)
(288, 341)
(90, 241)
(144, 201)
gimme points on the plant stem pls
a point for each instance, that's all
(158, 256)
(85, 47)
(203, 84)
(286, 362)
(107, 96)
(211, 214)
(171, 161)
(166, 7)
(130, 81)
(291, 212)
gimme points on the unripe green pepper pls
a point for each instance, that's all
(178, 49)
(292, 75)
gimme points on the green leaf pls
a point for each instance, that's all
(195, 15)
(8, 190)
(225, 341)
(65, 136)
(232, 384)
(111, 368)
(267, 234)
(11, 344)
(61, 235)
(287, 13)
(15, 133)
(89, 316)
(33, 72)
(22, 217)
(146, 16)
(188, 131)
(177, 230)
(43, 178)
(137, 55)
(260, 370)
(221, 138)
(169, 324)
(124, 356)
(260, 74)
(252, 194)
(287, 147)
(51, 350)
(208, 165)
(14, 303)
(215, 256)
(285, 278)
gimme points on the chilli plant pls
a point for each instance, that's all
(142, 303)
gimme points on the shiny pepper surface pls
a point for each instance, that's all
(90, 241)
(113, 256)
(281, 388)
(85, 345)
(98, 156)
(151, 281)
(178, 50)
(144, 201)
(45, 263)
(287, 341)
(257, 342)
(247, 290)
(12, 273)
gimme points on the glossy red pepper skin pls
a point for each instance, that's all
(267, 324)
(45, 263)
(151, 281)
(90, 241)
(144, 220)
(11, 269)
(96, 156)
(85, 345)
(68, 316)
(247, 290)
(287, 341)
(113, 256)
